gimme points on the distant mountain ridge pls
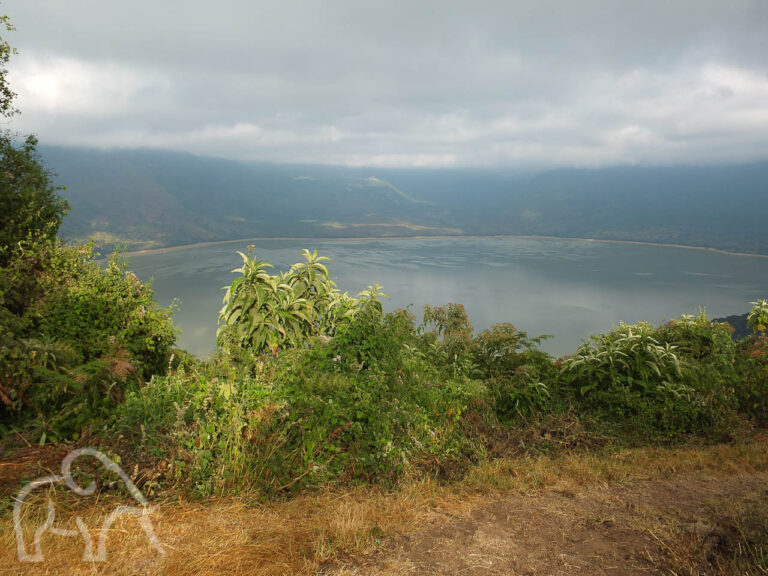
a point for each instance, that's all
(150, 198)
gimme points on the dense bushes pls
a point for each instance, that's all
(364, 405)
(313, 386)
(75, 336)
(358, 395)
(381, 397)
(658, 383)
(363, 396)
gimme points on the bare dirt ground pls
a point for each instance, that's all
(695, 510)
(674, 526)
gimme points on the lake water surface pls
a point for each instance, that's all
(567, 288)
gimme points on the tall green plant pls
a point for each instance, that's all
(758, 316)
(263, 313)
(30, 209)
(629, 356)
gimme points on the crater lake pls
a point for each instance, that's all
(569, 289)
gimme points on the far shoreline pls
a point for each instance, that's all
(181, 247)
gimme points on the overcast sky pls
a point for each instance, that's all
(503, 83)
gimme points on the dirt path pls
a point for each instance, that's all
(648, 527)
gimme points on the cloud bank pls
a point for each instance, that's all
(488, 83)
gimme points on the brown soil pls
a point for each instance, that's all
(649, 527)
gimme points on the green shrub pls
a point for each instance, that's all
(376, 415)
(361, 406)
(519, 395)
(627, 357)
(751, 385)
(697, 339)
(370, 340)
(757, 319)
(263, 313)
(447, 338)
(520, 377)
(31, 210)
(631, 378)
(707, 355)
(101, 309)
(78, 336)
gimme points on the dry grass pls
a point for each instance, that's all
(532, 474)
(297, 536)
(234, 536)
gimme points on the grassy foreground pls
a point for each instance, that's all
(685, 510)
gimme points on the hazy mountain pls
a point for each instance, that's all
(162, 198)
(155, 198)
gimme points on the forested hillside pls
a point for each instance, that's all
(163, 198)
(155, 198)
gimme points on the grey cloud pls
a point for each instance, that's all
(404, 83)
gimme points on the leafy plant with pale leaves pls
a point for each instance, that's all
(629, 356)
(263, 313)
(635, 378)
(758, 316)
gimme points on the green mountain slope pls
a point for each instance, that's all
(158, 198)
(150, 198)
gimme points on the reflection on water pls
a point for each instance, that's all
(567, 288)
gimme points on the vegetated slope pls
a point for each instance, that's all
(722, 207)
(144, 197)
(167, 198)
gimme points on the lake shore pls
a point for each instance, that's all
(181, 247)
